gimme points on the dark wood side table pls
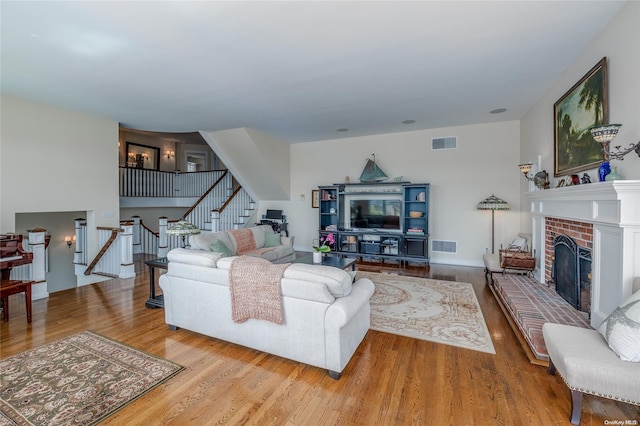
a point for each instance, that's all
(155, 301)
(9, 287)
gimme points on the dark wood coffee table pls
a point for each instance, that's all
(335, 261)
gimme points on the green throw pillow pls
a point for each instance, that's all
(220, 247)
(272, 240)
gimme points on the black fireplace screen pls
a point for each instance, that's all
(572, 272)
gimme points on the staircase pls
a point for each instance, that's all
(217, 203)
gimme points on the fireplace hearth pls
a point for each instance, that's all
(572, 272)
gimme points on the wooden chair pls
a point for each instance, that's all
(10, 287)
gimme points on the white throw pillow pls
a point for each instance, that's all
(621, 329)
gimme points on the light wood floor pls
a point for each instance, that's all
(391, 380)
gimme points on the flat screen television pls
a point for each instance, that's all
(382, 214)
(274, 214)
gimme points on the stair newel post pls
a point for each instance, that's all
(215, 221)
(125, 238)
(80, 255)
(37, 240)
(137, 232)
(163, 244)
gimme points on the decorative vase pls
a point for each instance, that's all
(603, 171)
(614, 175)
(317, 257)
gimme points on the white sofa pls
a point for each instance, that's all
(326, 315)
(261, 233)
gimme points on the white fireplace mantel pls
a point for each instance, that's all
(614, 210)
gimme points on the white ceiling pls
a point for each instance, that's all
(296, 70)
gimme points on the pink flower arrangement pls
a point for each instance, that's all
(325, 243)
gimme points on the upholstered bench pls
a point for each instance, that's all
(588, 364)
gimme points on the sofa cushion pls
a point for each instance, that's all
(204, 240)
(621, 329)
(271, 240)
(338, 282)
(220, 247)
(194, 257)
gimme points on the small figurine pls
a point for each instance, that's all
(575, 179)
(586, 178)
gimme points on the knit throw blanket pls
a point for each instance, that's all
(255, 289)
(244, 240)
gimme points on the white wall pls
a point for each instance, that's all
(260, 162)
(619, 43)
(484, 163)
(60, 274)
(53, 160)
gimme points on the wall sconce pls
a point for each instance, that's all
(69, 240)
(525, 169)
(170, 154)
(604, 135)
(540, 179)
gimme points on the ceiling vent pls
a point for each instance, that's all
(444, 246)
(449, 142)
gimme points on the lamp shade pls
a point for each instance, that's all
(183, 228)
(605, 133)
(493, 203)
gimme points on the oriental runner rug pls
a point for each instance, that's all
(445, 312)
(77, 380)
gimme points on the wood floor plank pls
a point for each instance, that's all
(391, 380)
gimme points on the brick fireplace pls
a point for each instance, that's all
(580, 232)
(605, 217)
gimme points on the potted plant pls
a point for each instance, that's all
(321, 246)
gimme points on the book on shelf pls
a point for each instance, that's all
(415, 231)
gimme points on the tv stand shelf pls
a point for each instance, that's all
(392, 220)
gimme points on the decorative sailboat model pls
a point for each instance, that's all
(372, 173)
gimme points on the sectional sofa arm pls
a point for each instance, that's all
(344, 308)
(286, 241)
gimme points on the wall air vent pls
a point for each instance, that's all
(444, 246)
(449, 142)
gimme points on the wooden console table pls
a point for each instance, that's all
(9, 287)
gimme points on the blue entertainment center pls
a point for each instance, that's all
(382, 221)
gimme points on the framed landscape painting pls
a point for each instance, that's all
(582, 107)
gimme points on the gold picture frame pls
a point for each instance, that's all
(585, 105)
(315, 198)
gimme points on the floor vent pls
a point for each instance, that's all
(449, 142)
(444, 246)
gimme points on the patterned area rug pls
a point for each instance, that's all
(77, 380)
(439, 311)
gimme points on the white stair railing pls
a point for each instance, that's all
(144, 240)
(235, 213)
(155, 183)
(115, 258)
(219, 208)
